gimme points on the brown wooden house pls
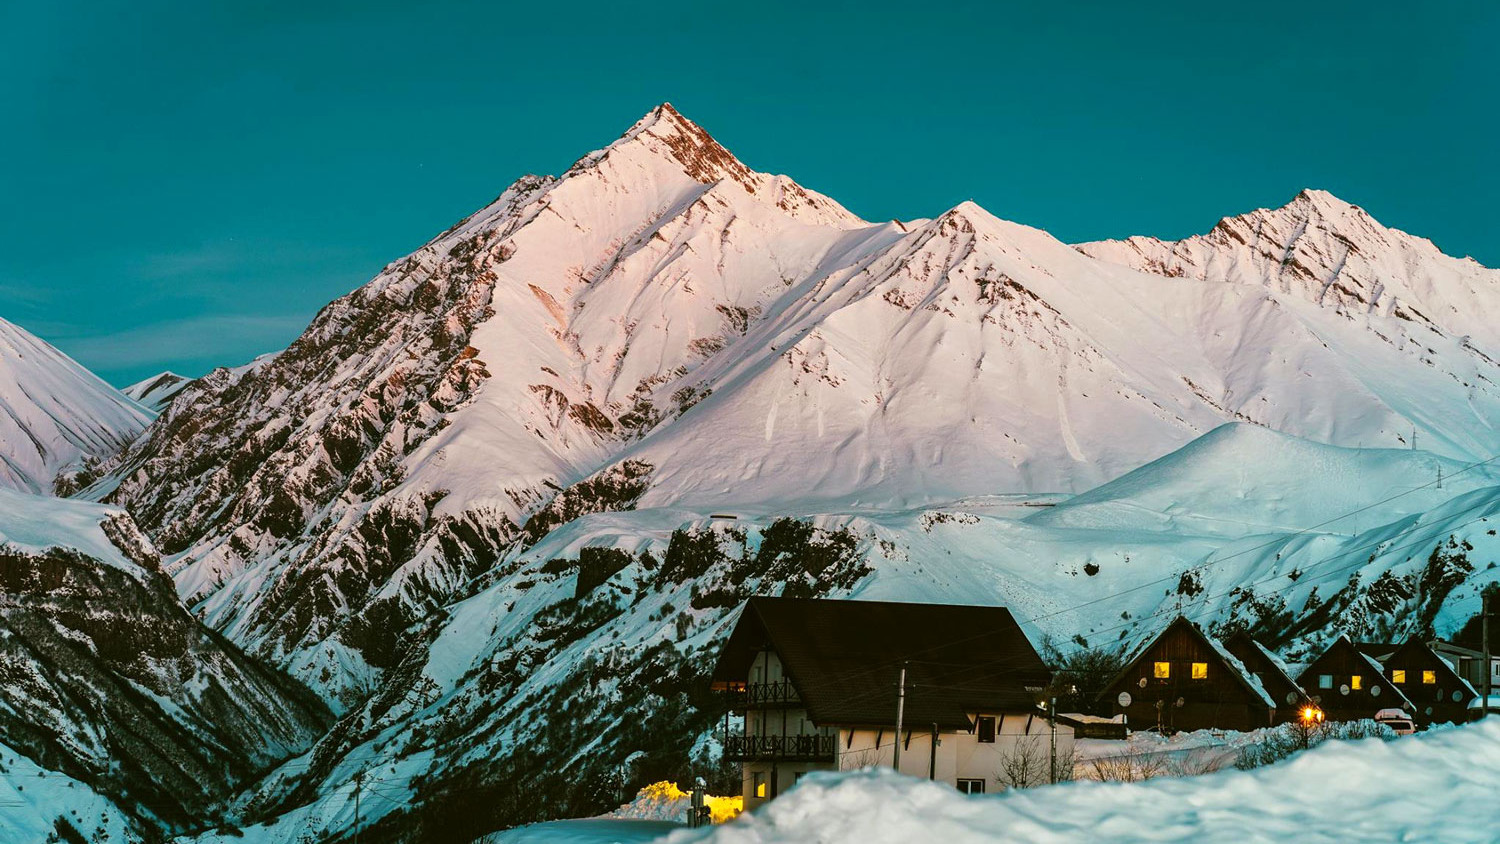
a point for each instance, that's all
(1272, 674)
(1436, 691)
(1183, 680)
(1349, 685)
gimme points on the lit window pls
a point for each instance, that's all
(760, 784)
(1163, 670)
(1200, 671)
(1356, 682)
(1325, 681)
(1398, 676)
(1429, 677)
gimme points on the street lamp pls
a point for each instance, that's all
(1310, 717)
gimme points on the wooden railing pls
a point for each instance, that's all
(763, 696)
(809, 748)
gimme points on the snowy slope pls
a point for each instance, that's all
(55, 416)
(1435, 787)
(155, 392)
(663, 327)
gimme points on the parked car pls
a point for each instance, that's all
(1397, 720)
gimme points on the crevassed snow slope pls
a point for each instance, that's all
(54, 413)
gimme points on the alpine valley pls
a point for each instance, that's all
(464, 550)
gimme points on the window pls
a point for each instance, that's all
(1398, 676)
(971, 786)
(1429, 678)
(760, 783)
(986, 729)
(1356, 682)
(1200, 671)
(1163, 670)
(1325, 681)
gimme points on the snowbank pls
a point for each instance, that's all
(1437, 787)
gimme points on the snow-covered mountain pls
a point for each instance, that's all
(155, 392)
(705, 381)
(57, 419)
(106, 679)
(663, 327)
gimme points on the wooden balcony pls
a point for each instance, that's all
(777, 748)
(778, 695)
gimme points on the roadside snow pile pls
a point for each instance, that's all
(664, 801)
(1437, 787)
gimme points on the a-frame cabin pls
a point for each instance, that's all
(1349, 685)
(1272, 673)
(1436, 691)
(1183, 681)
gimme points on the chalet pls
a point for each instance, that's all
(1274, 675)
(1434, 687)
(1183, 680)
(1350, 685)
(817, 683)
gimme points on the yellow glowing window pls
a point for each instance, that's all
(1200, 671)
(1429, 677)
(1356, 682)
(760, 784)
(1398, 676)
(1163, 670)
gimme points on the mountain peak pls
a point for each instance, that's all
(702, 158)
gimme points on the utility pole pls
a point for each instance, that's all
(932, 760)
(900, 713)
(1052, 721)
(1484, 633)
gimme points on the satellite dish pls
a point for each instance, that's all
(1457, 696)
(1344, 690)
(1142, 684)
(1429, 710)
(1125, 699)
(1374, 691)
(1180, 702)
(1291, 698)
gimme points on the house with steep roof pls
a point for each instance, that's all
(1274, 675)
(1438, 693)
(1350, 685)
(816, 685)
(1184, 680)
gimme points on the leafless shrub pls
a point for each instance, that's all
(1028, 762)
(1134, 765)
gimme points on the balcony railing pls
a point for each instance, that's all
(763, 696)
(811, 748)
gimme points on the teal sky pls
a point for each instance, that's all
(185, 184)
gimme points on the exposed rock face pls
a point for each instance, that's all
(105, 677)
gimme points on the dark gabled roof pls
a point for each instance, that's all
(1258, 659)
(1377, 650)
(1343, 642)
(1416, 646)
(845, 657)
(1228, 660)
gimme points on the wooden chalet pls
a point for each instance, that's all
(816, 684)
(1183, 680)
(1350, 685)
(1435, 689)
(1273, 674)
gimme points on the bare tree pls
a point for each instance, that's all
(1133, 765)
(1028, 762)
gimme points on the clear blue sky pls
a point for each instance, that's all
(185, 184)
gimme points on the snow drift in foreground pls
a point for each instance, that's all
(1437, 787)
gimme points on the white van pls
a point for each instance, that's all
(1397, 720)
